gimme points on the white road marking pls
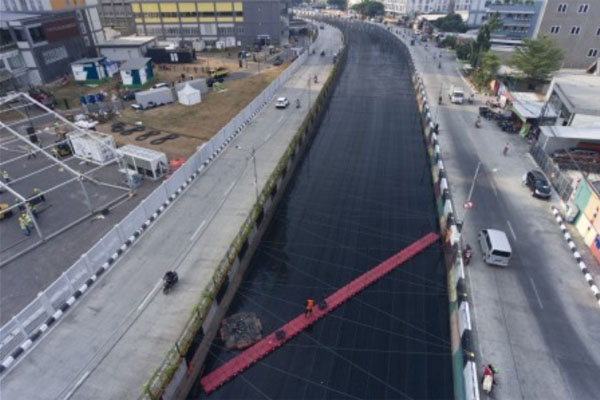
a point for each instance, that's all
(197, 230)
(149, 295)
(537, 296)
(494, 188)
(512, 231)
(79, 382)
(280, 118)
(226, 193)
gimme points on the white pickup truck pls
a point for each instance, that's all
(456, 94)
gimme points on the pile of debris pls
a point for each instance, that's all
(241, 330)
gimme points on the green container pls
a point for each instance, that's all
(582, 196)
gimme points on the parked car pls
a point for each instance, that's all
(282, 102)
(537, 183)
(128, 95)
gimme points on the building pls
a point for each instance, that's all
(518, 20)
(137, 72)
(37, 48)
(215, 24)
(127, 47)
(87, 14)
(412, 7)
(117, 14)
(93, 70)
(575, 96)
(575, 27)
(477, 12)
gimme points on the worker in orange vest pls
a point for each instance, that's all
(310, 303)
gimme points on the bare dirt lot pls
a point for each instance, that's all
(195, 124)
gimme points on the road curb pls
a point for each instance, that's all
(576, 255)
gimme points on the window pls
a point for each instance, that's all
(562, 8)
(593, 53)
(15, 62)
(37, 34)
(19, 35)
(555, 29)
(583, 8)
(54, 55)
(575, 30)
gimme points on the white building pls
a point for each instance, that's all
(411, 7)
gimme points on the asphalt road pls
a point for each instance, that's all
(362, 193)
(536, 320)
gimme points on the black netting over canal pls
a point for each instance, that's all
(362, 193)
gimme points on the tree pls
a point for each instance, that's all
(538, 58)
(369, 8)
(339, 4)
(463, 51)
(450, 23)
(483, 43)
(449, 41)
(487, 70)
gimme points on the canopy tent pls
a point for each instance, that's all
(189, 96)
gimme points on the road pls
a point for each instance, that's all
(362, 193)
(121, 330)
(536, 320)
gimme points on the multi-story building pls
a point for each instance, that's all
(38, 47)
(117, 14)
(212, 24)
(87, 14)
(412, 7)
(477, 12)
(575, 27)
(518, 21)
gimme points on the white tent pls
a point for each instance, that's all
(189, 96)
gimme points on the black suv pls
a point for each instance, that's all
(537, 183)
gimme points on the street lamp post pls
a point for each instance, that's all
(253, 155)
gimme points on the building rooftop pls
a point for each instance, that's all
(134, 63)
(579, 91)
(587, 133)
(88, 60)
(128, 41)
(7, 16)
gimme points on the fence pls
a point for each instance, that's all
(22, 330)
(561, 182)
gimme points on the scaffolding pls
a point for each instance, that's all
(38, 161)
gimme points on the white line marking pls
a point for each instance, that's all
(197, 230)
(149, 295)
(79, 382)
(537, 296)
(226, 193)
(494, 188)
(512, 231)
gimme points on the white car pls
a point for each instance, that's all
(282, 102)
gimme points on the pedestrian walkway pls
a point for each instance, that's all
(233, 367)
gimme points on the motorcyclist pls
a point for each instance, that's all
(170, 277)
(316, 79)
(297, 103)
(478, 122)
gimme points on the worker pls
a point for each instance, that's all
(54, 152)
(310, 303)
(23, 225)
(30, 152)
(28, 221)
(33, 209)
(38, 193)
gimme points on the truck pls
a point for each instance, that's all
(152, 98)
(456, 94)
(217, 73)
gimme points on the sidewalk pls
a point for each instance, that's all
(119, 333)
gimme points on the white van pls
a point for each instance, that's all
(456, 94)
(495, 247)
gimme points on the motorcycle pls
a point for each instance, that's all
(440, 100)
(323, 53)
(169, 280)
(467, 254)
(297, 103)
(478, 123)
(440, 65)
(316, 79)
(471, 98)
